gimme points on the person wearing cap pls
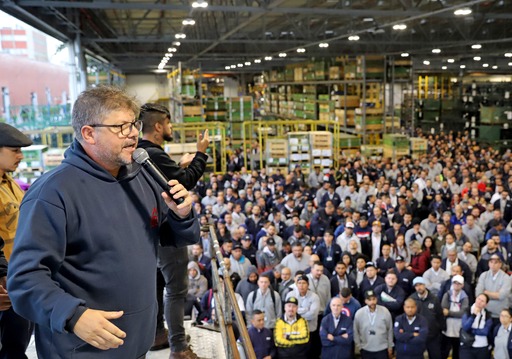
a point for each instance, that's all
(404, 275)
(248, 250)
(483, 262)
(435, 275)
(15, 331)
(455, 302)
(429, 306)
(370, 281)
(373, 329)
(291, 334)
(495, 283)
(411, 332)
(336, 332)
(269, 256)
(309, 302)
(239, 263)
(347, 235)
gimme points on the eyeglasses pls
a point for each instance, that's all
(125, 128)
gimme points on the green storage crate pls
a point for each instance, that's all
(349, 141)
(324, 97)
(192, 119)
(395, 140)
(310, 106)
(492, 114)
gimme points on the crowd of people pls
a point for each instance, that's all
(377, 257)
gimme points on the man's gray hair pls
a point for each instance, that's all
(93, 105)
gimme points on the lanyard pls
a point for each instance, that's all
(372, 316)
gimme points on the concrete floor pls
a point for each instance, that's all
(205, 343)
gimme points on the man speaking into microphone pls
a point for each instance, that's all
(83, 267)
(172, 262)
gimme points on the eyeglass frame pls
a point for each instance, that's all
(132, 125)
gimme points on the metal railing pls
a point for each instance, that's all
(226, 308)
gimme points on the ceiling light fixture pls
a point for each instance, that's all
(301, 50)
(180, 35)
(485, 65)
(227, 67)
(404, 54)
(509, 64)
(444, 67)
(257, 61)
(426, 62)
(240, 65)
(247, 63)
(233, 66)
(268, 58)
(399, 27)
(201, 4)
(176, 43)
(495, 67)
(172, 49)
(368, 19)
(476, 46)
(188, 22)
(463, 11)
(436, 51)
(353, 38)
(282, 54)
(508, 54)
(450, 61)
(323, 44)
(477, 58)
(462, 66)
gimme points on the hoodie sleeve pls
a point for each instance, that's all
(179, 232)
(3, 260)
(39, 251)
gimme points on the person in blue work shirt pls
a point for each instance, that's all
(411, 332)
(261, 338)
(336, 333)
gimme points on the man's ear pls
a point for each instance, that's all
(88, 134)
(158, 127)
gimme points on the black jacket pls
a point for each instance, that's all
(431, 309)
(188, 177)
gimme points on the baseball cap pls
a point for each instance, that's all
(292, 300)
(271, 242)
(246, 238)
(370, 264)
(399, 259)
(304, 278)
(349, 225)
(418, 280)
(458, 278)
(236, 246)
(369, 293)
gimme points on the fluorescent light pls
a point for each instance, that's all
(268, 58)
(463, 11)
(247, 63)
(462, 66)
(257, 61)
(176, 43)
(404, 54)
(199, 4)
(353, 38)
(476, 46)
(477, 58)
(451, 61)
(426, 62)
(508, 54)
(188, 22)
(282, 54)
(240, 65)
(172, 49)
(444, 67)
(180, 35)
(495, 67)
(436, 51)
(400, 27)
(301, 50)
(227, 67)
(368, 19)
(485, 65)
(509, 64)
(323, 44)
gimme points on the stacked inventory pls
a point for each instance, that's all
(53, 158)
(240, 109)
(216, 109)
(192, 113)
(276, 154)
(32, 165)
(345, 106)
(395, 146)
(299, 151)
(369, 119)
(310, 105)
(326, 108)
(321, 149)
(419, 147)
(428, 112)
(349, 144)
(370, 66)
(188, 86)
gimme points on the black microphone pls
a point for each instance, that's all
(142, 158)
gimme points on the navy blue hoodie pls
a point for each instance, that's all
(86, 238)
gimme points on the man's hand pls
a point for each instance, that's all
(390, 352)
(330, 337)
(345, 335)
(203, 141)
(178, 191)
(5, 302)
(186, 159)
(446, 312)
(95, 328)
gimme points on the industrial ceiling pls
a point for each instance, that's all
(134, 35)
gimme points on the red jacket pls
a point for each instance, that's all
(419, 263)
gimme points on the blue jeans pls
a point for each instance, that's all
(172, 262)
(15, 333)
